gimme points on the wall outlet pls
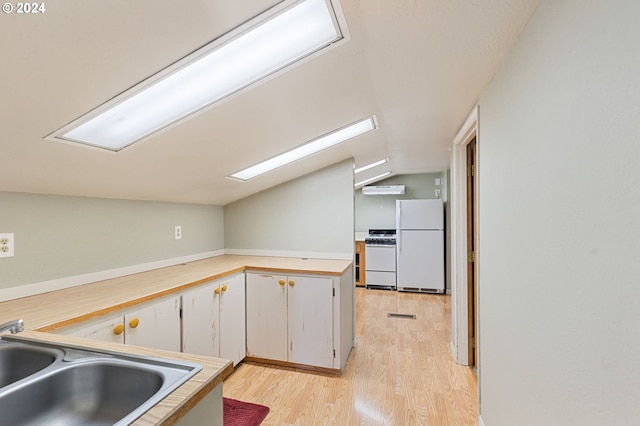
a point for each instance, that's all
(6, 245)
(178, 232)
(437, 193)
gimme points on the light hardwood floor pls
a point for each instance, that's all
(401, 372)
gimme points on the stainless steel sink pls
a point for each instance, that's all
(16, 363)
(86, 387)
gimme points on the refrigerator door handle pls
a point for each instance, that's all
(398, 231)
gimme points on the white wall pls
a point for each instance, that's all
(62, 240)
(62, 236)
(311, 216)
(379, 211)
(559, 255)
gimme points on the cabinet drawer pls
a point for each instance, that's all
(381, 278)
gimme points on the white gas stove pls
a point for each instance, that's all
(380, 259)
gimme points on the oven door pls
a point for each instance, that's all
(380, 257)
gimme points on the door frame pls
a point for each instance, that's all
(459, 250)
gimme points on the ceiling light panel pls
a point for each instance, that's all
(215, 72)
(371, 166)
(373, 179)
(319, 144)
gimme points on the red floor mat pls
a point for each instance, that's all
(240, 413)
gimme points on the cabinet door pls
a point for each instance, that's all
(232, 319)
(105, 331)
(267, 316)
(201, 320)
(158, 325)
(310, 319)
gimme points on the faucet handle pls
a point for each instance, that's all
(18, 327)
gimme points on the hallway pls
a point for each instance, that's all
(401, 372)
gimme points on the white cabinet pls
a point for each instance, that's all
(155, 326)
(233, 342)
(201, 320)
(109, 330)
(310, 320)
(213, 319)
(152, 325)
(267, 317)
(295, 319)
(290, 318)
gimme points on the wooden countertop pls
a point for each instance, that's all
(360, 236)
(60, 308)
(46, 312)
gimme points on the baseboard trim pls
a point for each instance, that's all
(26, 290)
(480, 421)
(78, 280)
(296, 254)
(293, 365)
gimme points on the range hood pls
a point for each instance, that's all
(383, 190)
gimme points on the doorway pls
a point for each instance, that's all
(465, 288)
(472, 300)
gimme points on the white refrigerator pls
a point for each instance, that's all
(420, 245)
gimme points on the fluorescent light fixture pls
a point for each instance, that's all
(319, 144)
(263, 47)
(364, 182)
(371, 166)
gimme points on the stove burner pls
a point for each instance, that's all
(385, 237)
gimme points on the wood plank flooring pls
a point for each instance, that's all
(401, 372)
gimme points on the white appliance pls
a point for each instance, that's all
(383, 190)
(380, 259)
(420, 245)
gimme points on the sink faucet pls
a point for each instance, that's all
(15, 326)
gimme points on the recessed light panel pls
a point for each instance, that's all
(218, 70)
(309, 148)
(371, 166)
(373, 179)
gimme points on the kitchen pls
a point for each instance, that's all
(84, 213)
(80, 215)
(202, 227)
(378, 212)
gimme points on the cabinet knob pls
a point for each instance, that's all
(134, 322)
(118, 329)
(291, 283)
(217, 290)
(281, 282)
(224, 287)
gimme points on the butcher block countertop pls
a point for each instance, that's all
(60, 308)
(47, 312)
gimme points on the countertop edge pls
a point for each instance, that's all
(175, 288)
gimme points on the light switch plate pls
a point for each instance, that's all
(6, 245)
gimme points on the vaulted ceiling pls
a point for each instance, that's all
(418, 65)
